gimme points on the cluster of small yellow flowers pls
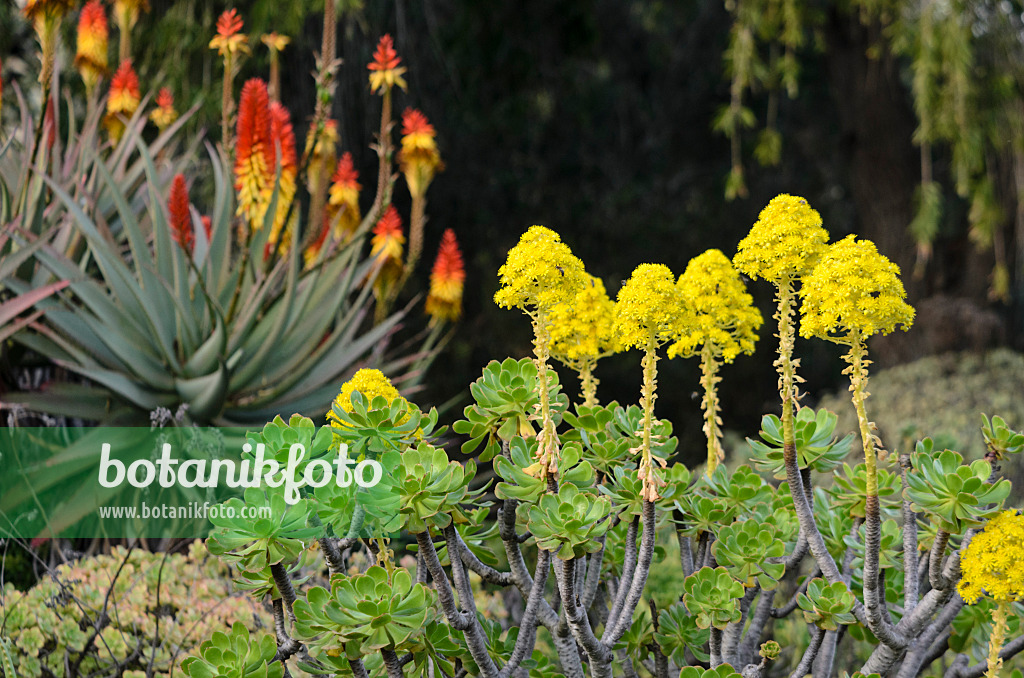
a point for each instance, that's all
(993, 563)
(853, 290)
(650, 308)
(371, 383)
(539, 273)
(725, 315)
(784, 243)
(582, 330)
(91, 53)
(419, 158)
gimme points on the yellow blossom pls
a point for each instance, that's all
(853, 290)
(784, 243)
(650, 306)
(581, 330)
(993, 563)
(540, 272)
(371, 383)
(725, 316)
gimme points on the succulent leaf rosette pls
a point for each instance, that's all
(713, 596)
(364, 612)
(569, 523)
(957, 495)
(433, 487)
(505, 401)
(816, 446)
(678, 632)
(827, 605)
(747, 550)
(235, 654)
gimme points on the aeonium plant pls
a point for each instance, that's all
(866, 603)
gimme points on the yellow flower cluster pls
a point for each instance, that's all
(854, 290)
(650, 307)
(581, 330)
(784, 243)
(371, 383)
(726, 317)
(993, 563)
(539, 273)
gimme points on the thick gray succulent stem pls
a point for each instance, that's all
(804, 667)
(915, 657)
(715, 647)
(593, 580)
(391, 662)
(822, 666)
(734, 631)
(636, 587)
(358, 669)
(787, 608)
(628, 567)
(875, 608)
(685, 553)
(517, 565)
(476, 639)
(600, 655)
(935, 558)
(456, 618)
(486, 572)
(762, 615)
(911, 584)
(528, 624)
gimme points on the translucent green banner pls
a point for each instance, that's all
(185, 482)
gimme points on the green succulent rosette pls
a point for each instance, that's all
(569, 523)
(235, 654)
(747, 549)
(816, 445)
(827, 605)
(712, 596)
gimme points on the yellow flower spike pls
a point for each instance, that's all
(725, 315)
(650, 311)
(581, 334)
(540, 272)
(784, 243)
(853, 289)
(725, 325)
(650, 308)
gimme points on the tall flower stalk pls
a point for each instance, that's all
(582, 333)
(385, 74)
(540, 273)
(230, 44)
(650, 312)
(725, 325)
(419, 160)
(853, 293)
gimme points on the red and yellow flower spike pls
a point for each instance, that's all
(419, 158)
(123, 100)
(255, 155)
(283, 137)
(164, 114)
(444, 302)
(385, 71)
(93, 38)
(388, 239)
(181, 219)
(344, 198)
(229, 39)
